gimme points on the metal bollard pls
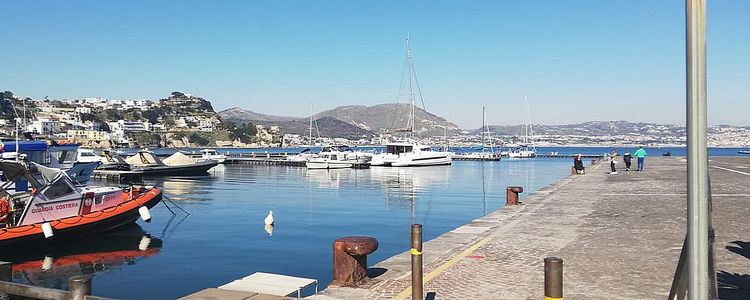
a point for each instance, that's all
(350, 259)
(6, 274)
(80, 287)
(553, 278)
(416, 262)
(511, 195)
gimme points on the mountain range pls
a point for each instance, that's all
(349, 121)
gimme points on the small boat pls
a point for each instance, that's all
(210, 154)
(305, 155)
(522, 151)
(176, 164)
(112, 161)
(62, 156)
(744, 152)
(330, 160)
(55, 208)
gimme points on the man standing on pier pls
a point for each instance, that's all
(640, 154)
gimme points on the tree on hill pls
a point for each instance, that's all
(243, 132)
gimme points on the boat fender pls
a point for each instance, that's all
(144, 243)
(47, 263)
(145, 214)
(47, 230)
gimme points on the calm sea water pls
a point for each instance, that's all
(224, 237)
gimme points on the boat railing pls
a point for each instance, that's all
(79, 287)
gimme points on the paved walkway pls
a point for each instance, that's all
(619, 235)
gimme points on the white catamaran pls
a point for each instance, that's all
(410, 153)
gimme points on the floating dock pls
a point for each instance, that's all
(275, 159)
(259, 285)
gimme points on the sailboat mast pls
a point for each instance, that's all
(409, 73)
(526, 120)
(311, 119)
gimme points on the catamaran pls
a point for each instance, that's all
(409, 152)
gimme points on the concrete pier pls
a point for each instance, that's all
(620, 236)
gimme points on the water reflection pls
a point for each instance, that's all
(52, 265)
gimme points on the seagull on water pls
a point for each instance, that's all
(269, 218)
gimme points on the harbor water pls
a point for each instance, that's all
(224, 237)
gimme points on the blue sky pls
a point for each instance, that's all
(576, 60)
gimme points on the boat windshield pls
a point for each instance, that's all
(345, 149)
(396, 149)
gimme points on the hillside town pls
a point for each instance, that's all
(185, 120)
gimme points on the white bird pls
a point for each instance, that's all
(269, 218)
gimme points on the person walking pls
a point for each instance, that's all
(613, 161)
(640, 154)
(628, 159)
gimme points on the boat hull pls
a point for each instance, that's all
(81, 225)
(194, 169)
(423, 160)
(317, 165)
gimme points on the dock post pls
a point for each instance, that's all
(553, 278)
(416, 262)
(511, 195)
(6, 274)
(80, 287)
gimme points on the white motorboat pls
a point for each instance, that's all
(87, 155)
(336, 157)
(522, 151)
(210, 154)
(304, 155)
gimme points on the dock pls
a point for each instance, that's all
(258, 286)
(620, 236)
(274, 159)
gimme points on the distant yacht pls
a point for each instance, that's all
(409, 152)
(527, 148)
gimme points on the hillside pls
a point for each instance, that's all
(592, 128)
(242, 115)
(389, 117)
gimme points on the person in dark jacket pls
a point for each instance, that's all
(628, 160)
(578, 164)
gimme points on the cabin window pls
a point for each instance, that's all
(98, 200)
(334, 157)
(87, 154)
(57, 189)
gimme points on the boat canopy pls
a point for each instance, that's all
(25, 146)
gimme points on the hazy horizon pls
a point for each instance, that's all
(576, 61)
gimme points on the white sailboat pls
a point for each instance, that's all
(527, 148)
(483, 153)
(409, 152)
(307, 154)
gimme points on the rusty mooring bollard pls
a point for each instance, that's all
(350, 259)
(553, 278)
(416, 262)
(511, 195)
(80, 287)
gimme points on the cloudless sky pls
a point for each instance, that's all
(576, 60)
